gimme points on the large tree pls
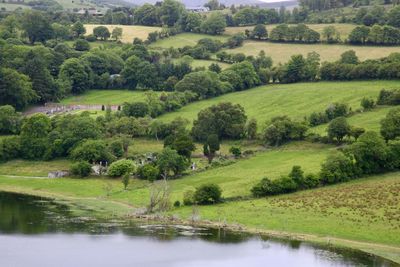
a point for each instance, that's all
(214, 24)
(15, 89)
(76, 76)
(36, 26)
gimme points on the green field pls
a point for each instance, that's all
(105, 97)
(12, 7)
(343, 28)
(184, 39)
(295, 100)
(129, 32)
(281, 52)
(369, 120)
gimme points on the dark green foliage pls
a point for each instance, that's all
(170, 163)
(338, 128)
(148, 172)
(389, 97)
(92, 151)
(76, 76)
(214, 24)
(182, 143)
(349, 57)
(370, 153)
(367, 103)
(15, 89)
(81, 45)
(10, 120)
(125, 180)
(390, 125)
(336, 110)
(211, 146)
(337, 168)
(135, 109)
(259, 32)
(101, 32)
(282, 129)
(251, 129)
(208, 194)
(236, 151)
(356, 132)
(81, 169)
(36, 26)
(267, 187)
(204, 83)
(225, 120)
(117, 148)
(34, 136)
(10, 148)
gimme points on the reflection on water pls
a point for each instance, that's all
(40, 232)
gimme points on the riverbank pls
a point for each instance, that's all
(106, 208)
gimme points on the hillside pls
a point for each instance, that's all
(295, 100)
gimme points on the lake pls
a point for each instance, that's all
(41, 232)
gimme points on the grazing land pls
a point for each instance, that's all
(184, 39)
(105, 97)
(129, 32)
(281, 52)
(343, 28)
(295, 100)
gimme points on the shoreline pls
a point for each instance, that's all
(110, 208)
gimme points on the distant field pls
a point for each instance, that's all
(12, 7)
(281, 52)
(129, 32)
(295, 100)
(368, 120)
(343, 28)
(184, 39)
(197, 63)
(105, 97)
(33, 168)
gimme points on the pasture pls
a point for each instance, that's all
(105, 97)
(343, 28)
(129, 32)
(294, 100)
(281, 52)
(184, 39)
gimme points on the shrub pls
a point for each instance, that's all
(91, 151)
(236, 151)
(121, 167)
(177, 204)
(81, 169)
(311, 181)
(148, 172)
(337, 168)
(117, 149)
(367, 103)
(188, 198)
(208, 194)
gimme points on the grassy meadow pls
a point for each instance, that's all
(184, 39)
(129, 32)
(295, 100)
(105, 97)
(343, 28)
(281, 52)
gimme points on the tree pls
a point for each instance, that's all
(43, 82)
(183, 144)
(125, 180)
(337, 168)
(211, 147)
(204, 83)
(259, 32)
(330, 34)
(101, 32)
(171, 163)
(60, 32)
(81, 45)
(390, 125)
(34, 136)
(226, 120)
(140, 73)
(190, 22)
(81, 169)
(78, 29)
(136, 109)
(147, 15)
(148, 172)
(356, 132)
(121, 167)
(208, 194)
(92, 151)
(15, 89)
(282, 129)
(370, 153)
(251, 129)
(349, 57)
(394, 17)
(117, 33)
(359, 35)
(171, 12)
(76, 75)
(367, 103)
(36, 26)
(338, 128)
(10, 120)
(214, 24)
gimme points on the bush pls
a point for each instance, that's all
(311, 181)
(81, 169)
(148, 172)
(208, 194)
(367, 103)
(121, 167)
(236, 151)
(188, 198)
(177, 204)
(337, 168)
(266, 187)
